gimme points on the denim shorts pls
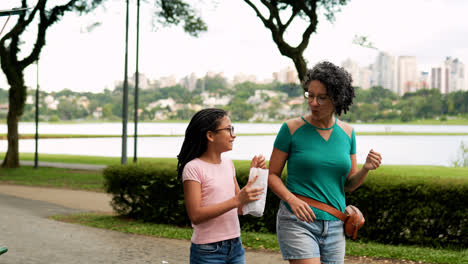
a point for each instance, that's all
(227, 251)
(301, 240)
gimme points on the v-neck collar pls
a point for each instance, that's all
(316, 129)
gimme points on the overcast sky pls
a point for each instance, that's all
(237, 42)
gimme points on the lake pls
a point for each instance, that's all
(179, 128)
(403, 150)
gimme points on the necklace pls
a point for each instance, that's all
(320, 128)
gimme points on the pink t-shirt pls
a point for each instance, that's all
(217, 185)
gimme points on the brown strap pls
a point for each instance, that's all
(324, 207)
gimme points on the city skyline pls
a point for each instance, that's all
(237, 42)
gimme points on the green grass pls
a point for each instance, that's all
(253, 240)
(53, 177)
(82, 159)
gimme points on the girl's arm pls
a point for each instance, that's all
(356, 177)
(300, 208)
(199, 214)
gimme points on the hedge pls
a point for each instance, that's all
(429, 211)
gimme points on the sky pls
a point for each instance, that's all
(81, 57)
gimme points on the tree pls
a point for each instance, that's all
(44, 14)
(303, 9)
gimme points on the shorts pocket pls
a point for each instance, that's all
(206, 248)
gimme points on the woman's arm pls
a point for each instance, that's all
(356, 177)
(199, 214)
(300, 208)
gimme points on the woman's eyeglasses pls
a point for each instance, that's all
(321, 99)
(230, 129)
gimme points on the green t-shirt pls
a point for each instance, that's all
(317, 168)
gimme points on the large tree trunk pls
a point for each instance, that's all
(17, 98)
(301, 66)
(12, 156)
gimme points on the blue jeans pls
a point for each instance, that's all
(227, 251)
(301, 240)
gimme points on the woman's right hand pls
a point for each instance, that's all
(301, 209)
(248, 194)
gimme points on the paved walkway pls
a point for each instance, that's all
(33, 238)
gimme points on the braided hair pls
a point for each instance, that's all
(337, 81)
(195, 141)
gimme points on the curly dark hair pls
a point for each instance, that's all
(337, 81)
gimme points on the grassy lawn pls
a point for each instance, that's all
(93, 180)
(53, 177)
(268, 241)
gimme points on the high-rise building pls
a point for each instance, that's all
(456, 71)
(361, 76)
(408, 77)
(384, 72)
(449, 77)
(439, 79)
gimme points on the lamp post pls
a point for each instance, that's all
(123, 159)
(137, 73)
(36, 155)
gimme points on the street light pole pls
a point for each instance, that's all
(137, 73)
(125, 95)
(36, 155)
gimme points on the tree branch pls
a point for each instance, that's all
(44, 23)
(264, 20)
(273, 12)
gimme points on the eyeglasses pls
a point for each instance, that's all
(321, 99)
(230, 129)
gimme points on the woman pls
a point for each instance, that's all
(321, 155)
(212, 195)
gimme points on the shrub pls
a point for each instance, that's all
(400, 208)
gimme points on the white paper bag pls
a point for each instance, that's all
(256, 208)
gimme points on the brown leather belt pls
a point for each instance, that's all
(324, 207)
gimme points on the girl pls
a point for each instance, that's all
(212, 195)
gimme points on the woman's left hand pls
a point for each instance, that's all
(373, 160)
(258, 162)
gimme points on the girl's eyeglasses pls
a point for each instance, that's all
(230, 129)
(321, 99)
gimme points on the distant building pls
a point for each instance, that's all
(361, 76)
(240, 78)
(384, 72)
(286, 75)
(456, 74)
(189, 82)
(143, 81)
(449, 76)
(167, 81)
(408, 77)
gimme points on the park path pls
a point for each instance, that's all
(33, 238)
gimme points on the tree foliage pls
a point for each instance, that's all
(43, 14)
(280, 16)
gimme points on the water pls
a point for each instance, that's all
(179, 128)
(397, 150)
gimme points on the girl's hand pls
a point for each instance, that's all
(373, 160)
(258, 162)
(248, 194)
(301, 209)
